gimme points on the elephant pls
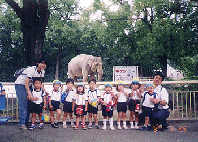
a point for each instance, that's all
(83, 65)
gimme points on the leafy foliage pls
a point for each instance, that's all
(145, 34)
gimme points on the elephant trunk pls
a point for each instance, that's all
(100, 75)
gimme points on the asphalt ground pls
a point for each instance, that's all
(184, 131)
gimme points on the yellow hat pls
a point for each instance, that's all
(120, 82)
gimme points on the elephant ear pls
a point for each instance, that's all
(90, 61)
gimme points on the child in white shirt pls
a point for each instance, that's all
(134, 102)
(54, 102)
(93, 95)
(121, 96)
(36, 105)
(107, 102)
(150, 100)
(68, 101)
(81, 105)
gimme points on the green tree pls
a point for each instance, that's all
(34, 17)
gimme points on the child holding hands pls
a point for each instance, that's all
(81, 105)
(121, 96)
(107, 102)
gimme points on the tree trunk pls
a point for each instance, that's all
(34, 17)
(163, 61)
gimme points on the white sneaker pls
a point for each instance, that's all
(132, 127)
(64, 126)
(72, 124)
(112, 128)
(119, 128)
(104, 128)
(136, 127)
(125, 127)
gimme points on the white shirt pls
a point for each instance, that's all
(30, 72)
(55, 96)
(163, 95)
(147, 102)
(135, 95)
(92, 94)
(107, 97)
(122, 97)
(81, 99)
(39, 95)
(71, 96)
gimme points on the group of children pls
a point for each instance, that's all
(81, 101)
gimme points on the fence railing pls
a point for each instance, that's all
(184, 103)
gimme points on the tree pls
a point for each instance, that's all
(34, 17)
(11, 48)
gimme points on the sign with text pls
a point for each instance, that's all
(125, 73)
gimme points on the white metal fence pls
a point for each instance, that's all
(184, 103)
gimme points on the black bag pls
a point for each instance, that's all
(20, 72)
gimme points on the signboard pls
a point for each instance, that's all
(125, 73)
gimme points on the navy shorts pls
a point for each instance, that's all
(84, 112)
(122, 107)
(92, 109)
(147, 111)
(107, 113)
(132, 104)
(55, 105)
(35, 108)
(67, 107)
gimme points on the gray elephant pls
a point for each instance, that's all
(83, 65)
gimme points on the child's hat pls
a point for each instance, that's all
(120, 82)
(80, 85)
(135, 81)
(108, 84)
(56, 81)
(147, 85)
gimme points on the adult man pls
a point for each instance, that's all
(22, 84)
(160, 116)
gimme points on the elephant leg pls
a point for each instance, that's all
(85, 76)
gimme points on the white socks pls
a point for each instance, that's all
(105, 122)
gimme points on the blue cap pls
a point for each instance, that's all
(80, 85)
(147, 85)
(56, 82)
(108, 85)
(135, 81)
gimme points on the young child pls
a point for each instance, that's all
(81, 105)
(107, 102)
(36, 105)
(68, 101)
(121, 96)
(150, 99)
(93, 99)
(54, 102)
(134, 100)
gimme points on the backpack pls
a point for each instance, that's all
(155, 105)
(63, 96)
(20, 72)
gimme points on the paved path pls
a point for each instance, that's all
(10, 133)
